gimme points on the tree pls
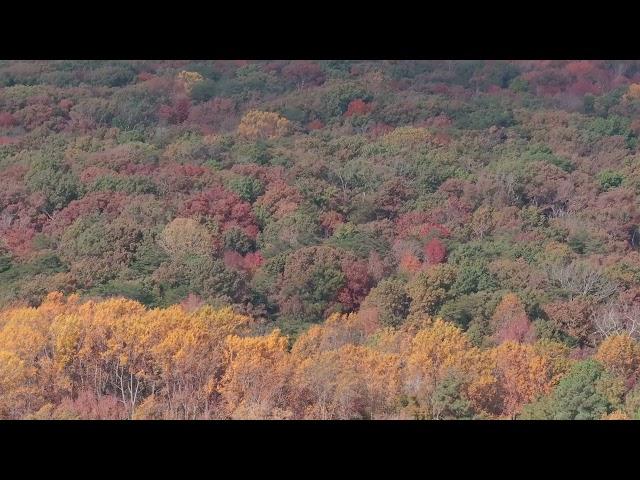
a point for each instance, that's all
(214, 115)
(522, 376)
(280, 199)
(580, 279)
(440, 358)
(337, 330)
(616, 318)
(14, 391)
(409, 264)
(435, 251)
(572, 317)
(450, 401)
(620, 355)
(358, 282)
(255, 379)
(578, 396)
(248, 188)
(609, 179)
(351, 382)
(634, 91)
(185, 236)
(55, 180)
(189, 80)
(510, 320)
(223, 207)
(256, 124)
(311, 281)
(429, 289)
(177, 112)
(390, 301)
(304, 73)
(557, 355)
(336, 100)
(357, 107)
(86, 406)
(189, 352)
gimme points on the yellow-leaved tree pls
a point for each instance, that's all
(620, 354)
(259, 125)
(522, 376)
(190, 357)
(351, 382)
(257, 370)
(185, 236)
(442, 351)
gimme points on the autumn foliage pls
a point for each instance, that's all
(319, 239)
(260, 125)
(117, 359)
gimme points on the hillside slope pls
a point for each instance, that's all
(500, 197)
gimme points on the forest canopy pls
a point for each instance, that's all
(319, 239)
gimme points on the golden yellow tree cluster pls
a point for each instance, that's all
(620, 354)
(259, 125)
(116, 358)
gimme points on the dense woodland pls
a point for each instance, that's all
(319, 239)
